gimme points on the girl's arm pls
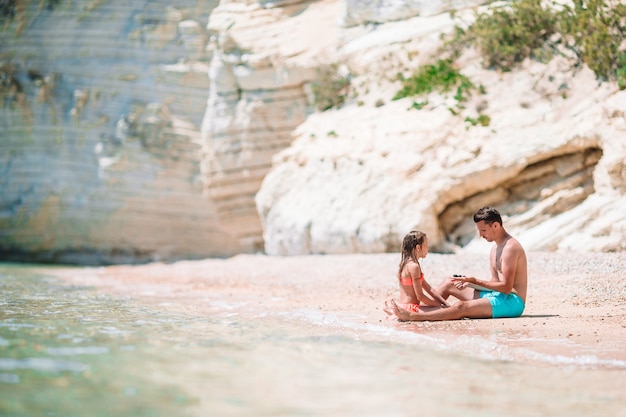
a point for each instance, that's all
(416, 276)
(423, 298)
(420, 284)
(435, 295)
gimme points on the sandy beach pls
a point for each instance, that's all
(576, 306)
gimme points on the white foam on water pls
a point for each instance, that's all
(14, 326)
(578, 360)
(226, 305)
(475, 346)
(326, 319)
(499, 350)
(114, 331)
(78, 350)
(41, 364)
(9, 378)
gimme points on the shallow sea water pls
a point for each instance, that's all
(67, 350)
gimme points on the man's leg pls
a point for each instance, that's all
(479, 308)
(447, 288)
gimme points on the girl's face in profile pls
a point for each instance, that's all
(422, 250)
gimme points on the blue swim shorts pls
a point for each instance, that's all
(503, 305)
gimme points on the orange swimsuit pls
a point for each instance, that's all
(410, 306)
(408, 281)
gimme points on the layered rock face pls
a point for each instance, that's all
(358, 178)
(140, 132)
(256, 100)
(135, 132)
(101, 108)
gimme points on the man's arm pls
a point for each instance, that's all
(505, 281)
(508, 264)
(492, 264)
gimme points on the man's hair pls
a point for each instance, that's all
(489, 214)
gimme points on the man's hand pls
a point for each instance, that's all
(461, 282)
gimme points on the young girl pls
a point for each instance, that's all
(411, 277)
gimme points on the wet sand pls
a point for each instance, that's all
(576, 304)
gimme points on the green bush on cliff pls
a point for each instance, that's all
(621, 71)
(7, 9)
(507, 33)
(331, 88)
(10, 9)
(441, 77)
(595, 31)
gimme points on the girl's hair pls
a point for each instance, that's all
(412, 239)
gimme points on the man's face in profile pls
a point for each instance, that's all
(485, 230)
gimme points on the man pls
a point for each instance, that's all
(503, 296)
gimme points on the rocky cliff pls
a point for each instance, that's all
(100, 111)
(142, 132)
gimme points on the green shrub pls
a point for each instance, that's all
(509, 33)
(7, 9)
(12, 9)
(482, 119)
(441, 77)
(419, 105)
(595, 31)
(621, 71)
(331, 88)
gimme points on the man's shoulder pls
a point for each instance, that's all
(514, 245)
